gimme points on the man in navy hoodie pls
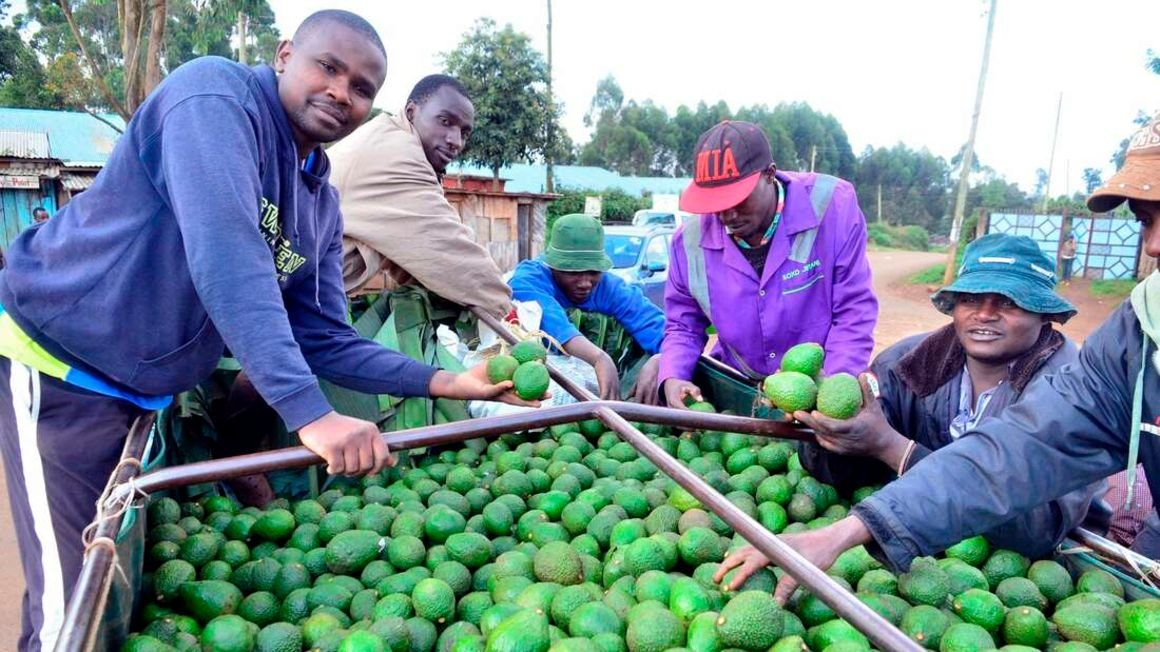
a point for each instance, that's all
(212, 226)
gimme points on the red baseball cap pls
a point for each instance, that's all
(728, 162)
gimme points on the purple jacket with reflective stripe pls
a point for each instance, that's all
(826, 298)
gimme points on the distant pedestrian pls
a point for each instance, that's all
(1067, 257)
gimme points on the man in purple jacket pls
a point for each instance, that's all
(774, 259)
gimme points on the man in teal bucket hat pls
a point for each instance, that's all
(1012, 266)
(934, 387)
(570, 274)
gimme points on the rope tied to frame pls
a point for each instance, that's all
(521, 334)
(110, 508)
(1144, 576)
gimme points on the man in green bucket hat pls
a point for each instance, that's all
(570, 274)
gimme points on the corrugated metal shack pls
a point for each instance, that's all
(47, 157)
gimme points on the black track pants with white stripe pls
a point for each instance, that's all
(59, 445)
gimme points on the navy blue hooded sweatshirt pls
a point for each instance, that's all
(203, 232)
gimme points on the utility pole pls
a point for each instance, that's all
(243, 37)
(549, 184)
(1051, 161)
(879, 203)
(813, 156)
(969, 154)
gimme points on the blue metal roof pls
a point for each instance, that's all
(530, 178)
(74, 138)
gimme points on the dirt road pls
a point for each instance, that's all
(903, 310)
(902, 313)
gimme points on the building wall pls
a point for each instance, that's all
(16, 208)
(495, 221)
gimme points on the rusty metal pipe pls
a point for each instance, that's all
(81, 622)
(1112, 550)
(846, 605)
(877, 628)
(446, 433)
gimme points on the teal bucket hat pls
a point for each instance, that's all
(577, 245)
(1010, 265)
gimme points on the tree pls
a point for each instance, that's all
(23, 82)
(687, 127)
(205, 27)
(800, 137)
(630, 138)
(912, 185)
(506, 79)
(119, 45)
(251, 22)
(1040, 182)
(107, 56)
(140, 52)
(1092, 179)
(1152, 62)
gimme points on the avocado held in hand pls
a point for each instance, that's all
(531, 380)
(839, 396)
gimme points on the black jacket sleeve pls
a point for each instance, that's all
(1070, 429)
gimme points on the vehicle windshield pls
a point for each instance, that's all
(624, 250)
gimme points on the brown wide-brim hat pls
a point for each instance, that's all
(1139, 178)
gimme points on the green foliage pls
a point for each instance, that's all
(616, 205)
(932, 275)
(912, 237)
(799, 135)
(1092, 179)
(193, 28)
(506, 79)
(1116, 289)
(914, 185)
(642, 139)
(23, 82)
(198, 28)
(1142, 118)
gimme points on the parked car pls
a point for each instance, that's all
(640, 256)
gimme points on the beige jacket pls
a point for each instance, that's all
(396, 220)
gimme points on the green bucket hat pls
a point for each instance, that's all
(1010, 265)
(577, 245)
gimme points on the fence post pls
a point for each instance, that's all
(983, 224)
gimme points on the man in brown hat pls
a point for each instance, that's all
(1082, 424)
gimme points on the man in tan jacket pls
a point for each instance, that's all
(396, 219)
